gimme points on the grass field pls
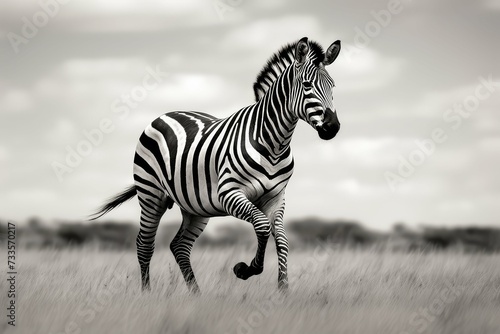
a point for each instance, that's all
(332, 291)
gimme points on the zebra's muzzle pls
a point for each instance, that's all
(330, 126)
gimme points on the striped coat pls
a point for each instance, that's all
(237, 166)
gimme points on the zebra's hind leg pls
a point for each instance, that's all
(153, 206)
(191, 228)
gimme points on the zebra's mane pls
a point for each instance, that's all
(279, 61)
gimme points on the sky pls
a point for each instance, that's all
(417, 94)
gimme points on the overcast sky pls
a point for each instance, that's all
(403, 74)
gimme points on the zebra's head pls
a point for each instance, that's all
(312, 89)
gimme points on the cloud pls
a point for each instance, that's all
(90, 80)
(370, 151)
(212, 64)
(490, 144)
(80, 82)
(461, 206)
(190, 89)
(116, 7)
(266, 36)
(64, 130)
(360, 152)
(355, 187)
(39, 200)
(16, 101)
(491, 4)
(4, 154)
(113, 16)
(364, 70)
(435, 103)
(487, 121)
(5, 157)
(102, 67)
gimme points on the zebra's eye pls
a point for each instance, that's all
(307, 84)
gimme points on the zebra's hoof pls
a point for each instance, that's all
(241, 271)
(283, 287)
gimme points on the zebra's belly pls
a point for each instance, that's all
(195, 194)
(199, 194)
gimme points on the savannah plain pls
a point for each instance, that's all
(332, 290)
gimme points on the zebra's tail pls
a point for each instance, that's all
(114, 202)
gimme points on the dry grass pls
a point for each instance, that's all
(343, 291)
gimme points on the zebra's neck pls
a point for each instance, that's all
(275, 122)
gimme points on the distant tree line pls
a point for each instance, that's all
(302, 233)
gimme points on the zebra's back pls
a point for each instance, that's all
(195, 157)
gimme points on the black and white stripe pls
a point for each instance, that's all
(237, 166)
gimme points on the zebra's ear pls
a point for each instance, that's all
(301, 50)
(332, 53)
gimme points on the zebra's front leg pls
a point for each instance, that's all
(282, 249)
(275, 210)
(240, 207)
(262, 230)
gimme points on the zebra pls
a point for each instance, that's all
(236, 166)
